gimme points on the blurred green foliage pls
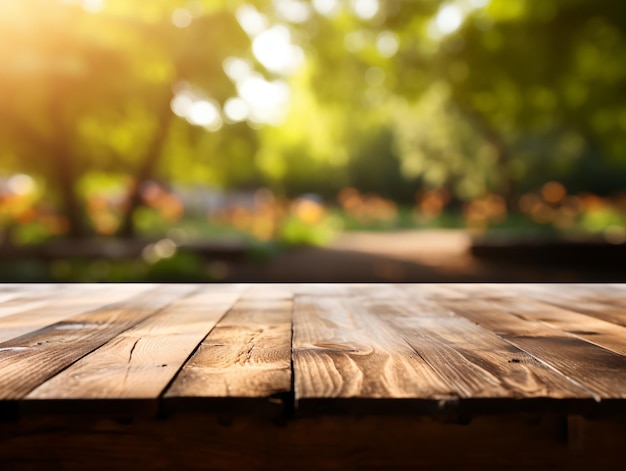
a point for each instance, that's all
(181, 266)
(390, 97)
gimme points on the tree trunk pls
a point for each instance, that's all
(61, 171)
(66, 179)
(145, 172)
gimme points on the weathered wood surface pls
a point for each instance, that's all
(346, 353)
(63, 303)
(246, 355)
(140, 362)
(423, 349)
(533, 329)
(30, 360)
(413, 377)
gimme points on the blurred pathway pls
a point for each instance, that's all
(407, 256)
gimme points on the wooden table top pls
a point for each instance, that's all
(310, 348)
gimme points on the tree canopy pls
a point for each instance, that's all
(476, 96)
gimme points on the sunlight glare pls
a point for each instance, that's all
(449, 19)
(267, 101)
(236, 68)
(365, 9)
(181, 104)
(326, 7)
(273, 49)
(451, 15)
(251, 20)
(294, 11)
(235, 109)
(196, 110)
(205, 113)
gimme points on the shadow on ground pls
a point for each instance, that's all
(432, 256)
(410, 256)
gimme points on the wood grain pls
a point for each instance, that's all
(341, 352)
(18, 300)
(246, 355)
(56, 309)
(141, 361)
(28, 361)
(591, 329)
(580, 300)
(364, 348)
(597, 370)
(477, 362)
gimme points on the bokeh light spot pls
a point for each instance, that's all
(181, 17)
(251, 20)
(273, 49)
(365, 9)
(181, 104)
(236, 109)
(294, 11)
(236, 68)
(449, 19)
(553, 192)
(21, 184)
(387, 44)
(326, 7)
(205, 113)
(267, 101)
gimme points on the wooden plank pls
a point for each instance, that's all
(28, 361)
(591, 329)
(21, 300)
(462, 377)
(247, 355)
(614, 296)
(140, 362)
(8, 294)
(477, 362)
(341, 352)
(21, 288)
(272, 292)
(609, 306)
(522, 301)
(318, 289)
(597, 370)
(54, 310)
(575, 299)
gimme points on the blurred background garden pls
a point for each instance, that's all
(312, 140)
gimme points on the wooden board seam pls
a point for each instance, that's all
(161, 396)
(595, 396)
(130, 326)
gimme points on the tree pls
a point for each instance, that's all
(86, 92)
(475, 95)
(481, 95)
